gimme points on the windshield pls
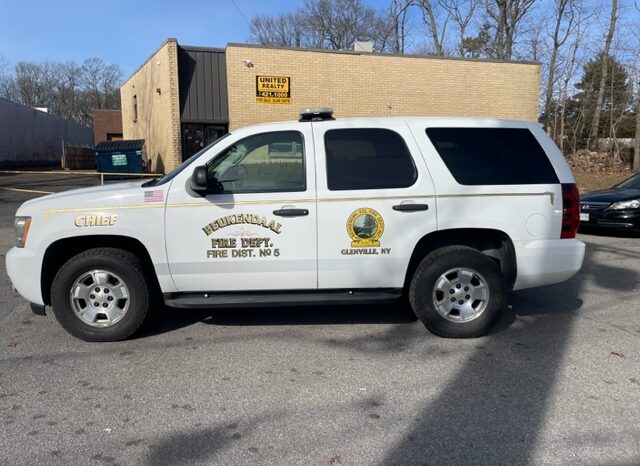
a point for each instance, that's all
(630, 183)
(173, 173)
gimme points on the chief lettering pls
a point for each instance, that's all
(95, 220)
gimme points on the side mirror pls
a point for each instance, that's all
(199, 182)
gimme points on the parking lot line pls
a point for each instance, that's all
(19, 190)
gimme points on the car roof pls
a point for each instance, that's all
(437, 121)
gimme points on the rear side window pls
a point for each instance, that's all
(498, 156)
(367, 158)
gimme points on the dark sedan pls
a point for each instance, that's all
(616, 208)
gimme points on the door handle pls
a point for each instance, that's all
(411, 207)
(291, 212)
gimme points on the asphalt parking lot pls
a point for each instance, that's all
(556, 382)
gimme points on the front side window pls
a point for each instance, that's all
(266, 162)
(367, 158)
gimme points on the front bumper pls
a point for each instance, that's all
(24, 267)
(614, 219)
(545, 262)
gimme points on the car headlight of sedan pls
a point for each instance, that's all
(22, 229)
(632, 204)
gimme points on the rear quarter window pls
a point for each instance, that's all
(493, 156)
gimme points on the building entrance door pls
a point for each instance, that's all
(195, 136)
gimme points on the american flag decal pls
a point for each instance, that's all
(154, 196)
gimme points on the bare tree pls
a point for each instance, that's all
(284, 30)
(506, 16)
(567, 73)
(436, 25)
(563, 25)
(31, 84)
(636, 144)
(7, 83)
(398, 25)
(100, 84)
(335, 24)
(68, 90)
(64, 81)
(461, 12)
(593, 134)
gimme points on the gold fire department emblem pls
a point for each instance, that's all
(365, 227)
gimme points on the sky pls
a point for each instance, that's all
(121, 31)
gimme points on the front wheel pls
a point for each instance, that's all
(101, 295)
(457, 292)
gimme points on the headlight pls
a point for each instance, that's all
(632, 204)
(22, 229)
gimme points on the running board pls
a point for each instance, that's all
(279, 298)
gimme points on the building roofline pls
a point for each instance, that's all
(47, 114)
(165, 42)
(310, 50)
(200, 48)
(380, 54)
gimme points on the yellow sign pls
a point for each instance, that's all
(365, 227)
(273, 89)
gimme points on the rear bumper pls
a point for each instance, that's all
(24, 267)
(545, 262)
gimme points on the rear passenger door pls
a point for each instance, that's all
(375, 201)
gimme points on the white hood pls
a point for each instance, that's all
(111, 194)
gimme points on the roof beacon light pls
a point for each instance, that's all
(316, 114)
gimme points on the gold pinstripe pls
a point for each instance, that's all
(53, 211)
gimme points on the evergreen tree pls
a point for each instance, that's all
(616, 102)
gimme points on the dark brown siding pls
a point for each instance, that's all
(107, 125)
(202, 75)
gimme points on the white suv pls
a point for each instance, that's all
(450, 212)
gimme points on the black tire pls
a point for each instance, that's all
(422, 292)
(119, 262)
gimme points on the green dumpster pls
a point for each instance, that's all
(120, 156)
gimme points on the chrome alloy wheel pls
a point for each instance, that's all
(460, 294)
(100, 298)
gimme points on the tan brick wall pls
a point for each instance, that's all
(106, 123)
(376, 85)
(158, 121)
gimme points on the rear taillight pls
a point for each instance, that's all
(570, 210)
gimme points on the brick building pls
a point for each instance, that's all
(183, 97)
(107, 125)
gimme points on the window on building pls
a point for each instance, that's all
(266, 162)
(135, 108)
(368, 158)
(494, 156)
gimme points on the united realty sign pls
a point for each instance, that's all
(273, 89)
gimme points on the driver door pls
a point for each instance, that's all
(256, 229)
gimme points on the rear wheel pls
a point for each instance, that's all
(457, 292)
(101, 295)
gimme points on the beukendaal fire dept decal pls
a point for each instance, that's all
(365, 226)
(240, 241)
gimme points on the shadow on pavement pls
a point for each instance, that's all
(493, 410)
(168, 319)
